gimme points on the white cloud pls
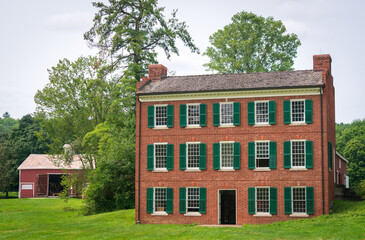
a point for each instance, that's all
(70, 21)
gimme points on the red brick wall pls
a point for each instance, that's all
(342, 171)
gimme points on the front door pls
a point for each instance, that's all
(227, 206)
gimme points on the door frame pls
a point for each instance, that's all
(219, 204)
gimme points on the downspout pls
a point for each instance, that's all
(323, 195)
(139, 160)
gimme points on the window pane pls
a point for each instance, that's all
(226, 113)
(227, 154)
(297, 108)
(160, 155)
(298, 154)
(299, 200)
(262, 201)
(160, 199)
(193, 114)
(193, 155)
(262, 154)
(262, 112)
(161, 115)
(193, 199)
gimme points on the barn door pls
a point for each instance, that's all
(42, 184)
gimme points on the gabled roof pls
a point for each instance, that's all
(342, 157)
(44, 161)
(231, 82)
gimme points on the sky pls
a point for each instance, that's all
(36, 34)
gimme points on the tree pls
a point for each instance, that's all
(252, 43)
(7, 166)
(129, 31)
(7, 123)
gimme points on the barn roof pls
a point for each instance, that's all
(44, 161)
(228, 82)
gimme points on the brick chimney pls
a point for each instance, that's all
(156, 71)
(322, 62)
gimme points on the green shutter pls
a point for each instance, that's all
(251, 201)
(310, 200)
(251, 155)
(309, 154)
(170, 156)
(151, 116)
(150, 156)
(236, 113)
(272, 158)
(170, 116)
(216, 156)
(202, 200)
(273, 200)
(182, 156)
(287, 200)
(308, 111)
(236, 155)
(183, 115)
(149, 200)
(329, 155)
(272, 112)
(182, 200)
(287, 154)
(203, 115)
(251, 113)
(169, 200)
(216, 114)
(287, 114)
(202, 156)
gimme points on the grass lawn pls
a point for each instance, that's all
(10, 195)
(48, 219)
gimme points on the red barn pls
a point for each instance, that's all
(40, 175)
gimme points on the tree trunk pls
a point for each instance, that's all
(6, 194)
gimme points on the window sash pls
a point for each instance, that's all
(298, 154)
(192, 155)
(159, 199)
(262, 154)
(226, 155)
(192, 199)
(160, 115)
(262, 200)
(262, 112)
(297, 111)
(193, 114)
(160, 156)
(299, 200)
(226, 113)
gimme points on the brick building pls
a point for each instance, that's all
(235, 148)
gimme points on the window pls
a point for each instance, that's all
(262, 200)
(299, 203)
(193, 155)
(160, 156)
(262, 154)
(193, 116)
(262, 112)
(297, 111)
(298, 153)
(160, 200)
(226, 113)
(193, 200)
(161, 115)
(227, 155)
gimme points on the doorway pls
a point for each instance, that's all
(227, 206)
(54, 184)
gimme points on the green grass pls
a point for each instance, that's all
(10, 195)
(49, 219)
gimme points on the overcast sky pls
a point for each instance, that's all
(36, 34)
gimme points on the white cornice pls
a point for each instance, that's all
(231, 94)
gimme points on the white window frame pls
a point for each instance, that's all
(291, 154)
(187, 115)
(155, 117)
(154, 156)
(268, 146)
(187, 155)
(220, 155)
(262, 123)
(187, 200)
(257, 212)
(154, 200)
(220, 113)
(292, 200)
(339, 162)
(291, 110)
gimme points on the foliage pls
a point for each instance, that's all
(129, 32)
(350, 140)
(7, 123)
(32, 218)
(73, 184)
(252, 43)
(7, 166)
(361, 189)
